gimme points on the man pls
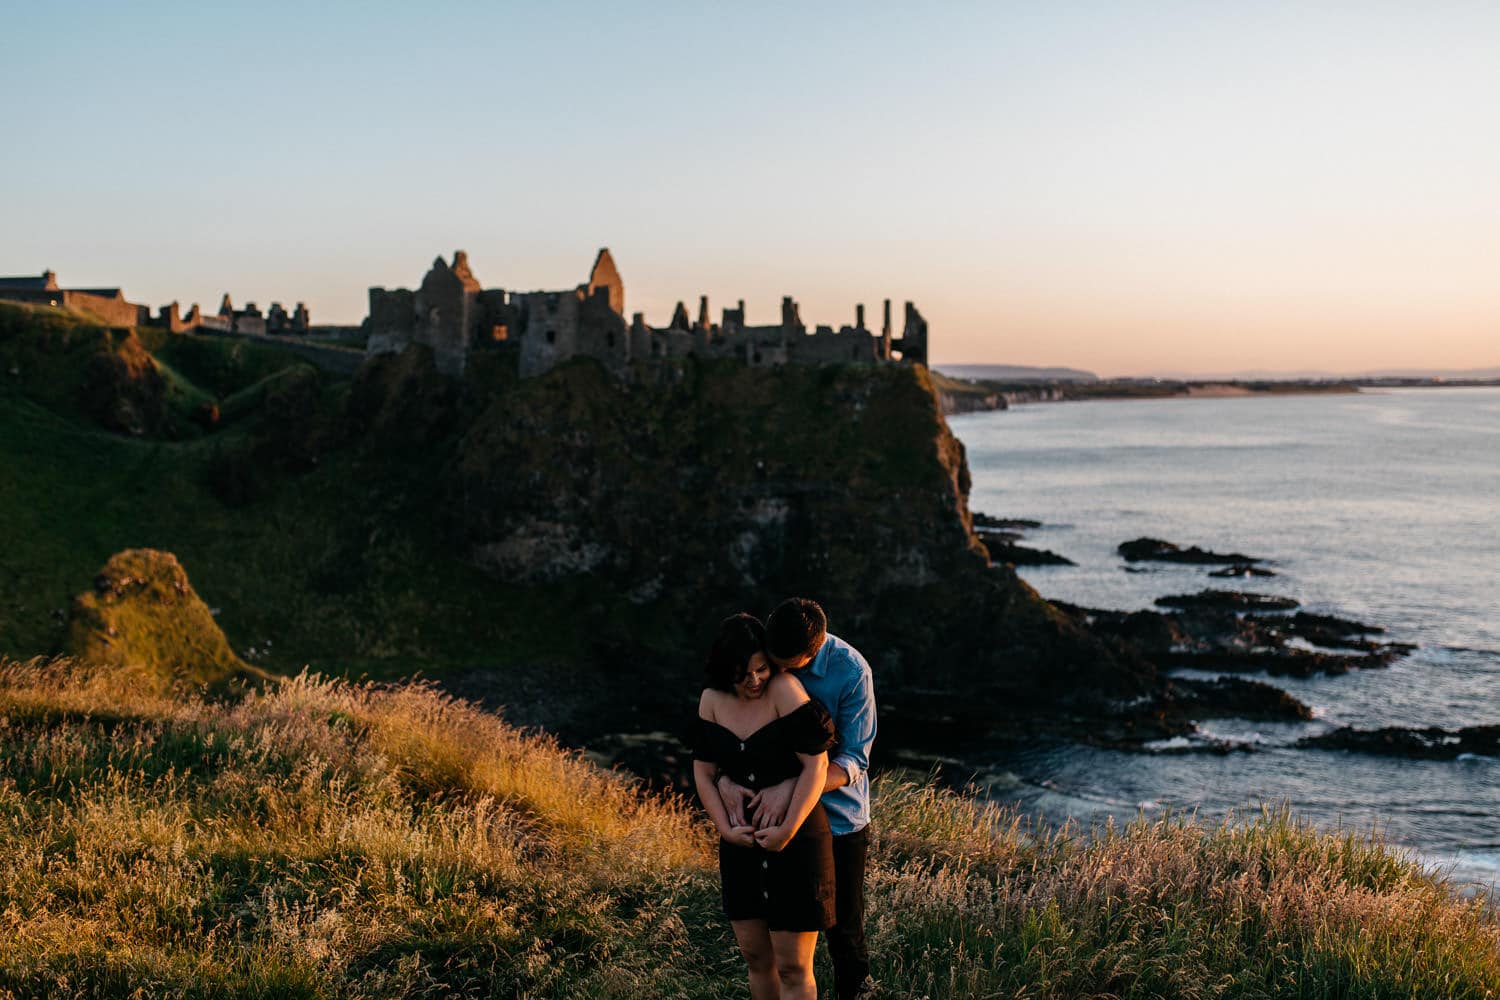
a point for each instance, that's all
(833, 672)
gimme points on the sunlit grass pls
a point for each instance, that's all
(327, 839)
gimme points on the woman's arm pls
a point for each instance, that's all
(804, 797)
(704, 775)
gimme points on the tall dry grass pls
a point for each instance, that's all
(333, 840)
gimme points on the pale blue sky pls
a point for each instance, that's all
(1124, 186)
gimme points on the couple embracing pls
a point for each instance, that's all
(785, 727)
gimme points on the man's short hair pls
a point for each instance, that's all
(739, 638)
(797, 627)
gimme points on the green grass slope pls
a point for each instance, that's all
(332, 840)
(340, 565)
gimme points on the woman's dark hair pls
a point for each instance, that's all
(740, 637)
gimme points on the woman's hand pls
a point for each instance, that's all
(736, 798)
(769, 806)
(774, 838)
(740, 836)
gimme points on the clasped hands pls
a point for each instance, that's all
(757, 818)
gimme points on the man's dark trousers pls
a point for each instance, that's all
(846, 939)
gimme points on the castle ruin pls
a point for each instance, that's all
(452, 314)
(110, 307)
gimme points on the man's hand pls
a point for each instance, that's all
(774, 838)
(736, 799)
(740, 836)
(769, 806)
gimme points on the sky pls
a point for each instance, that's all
(1126, 187)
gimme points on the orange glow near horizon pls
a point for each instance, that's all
(1123, 188)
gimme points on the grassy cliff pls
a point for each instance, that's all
(521, 539)
(333, 840)
(307, 552)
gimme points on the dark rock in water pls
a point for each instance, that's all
(1019, 555)
(985, 521)
(1337, 633)
(1241, 570)
(1341, 626)
(1147, 631)
(1429, 744)
(1228, 600)
(1216, 636)
(1276, 661)
(1156, 550)
(1235, 697)
(999, 536)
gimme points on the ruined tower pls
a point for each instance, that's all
(604, 275)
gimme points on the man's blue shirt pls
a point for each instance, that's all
(840, 678)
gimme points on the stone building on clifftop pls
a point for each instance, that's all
(454, 315)
(107, 305)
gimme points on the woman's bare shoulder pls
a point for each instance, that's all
(708, 704)
(787, 692)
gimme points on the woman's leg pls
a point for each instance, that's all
(794, 963)
(755, 945)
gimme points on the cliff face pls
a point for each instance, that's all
(615, 522)
(727, 489)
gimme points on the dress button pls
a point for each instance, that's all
(752, 777)
(765, 864)
(766, 893)
(742, 746)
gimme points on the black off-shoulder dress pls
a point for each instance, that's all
(790, 889)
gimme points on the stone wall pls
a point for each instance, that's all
(110, 310)
(548, 324)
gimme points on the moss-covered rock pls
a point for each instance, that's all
(143, 617)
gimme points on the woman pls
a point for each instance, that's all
(759, 727)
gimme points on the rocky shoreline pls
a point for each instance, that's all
(1224, 633)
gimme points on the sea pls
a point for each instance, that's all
(1383, 506)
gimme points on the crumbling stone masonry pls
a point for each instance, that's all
(107, 305)
(453, 315)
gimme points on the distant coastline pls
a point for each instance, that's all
(976, 395)
(981, 395)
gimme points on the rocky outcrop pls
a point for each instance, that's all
(686, 494)
(1001, 535)
(1002, 552)
(1156, 550)
(1429, 743)
(143, 617)
(1235, 697)
(1230, 631)
(123, 390)
(1241, 570)
(1226, 600)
